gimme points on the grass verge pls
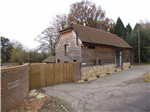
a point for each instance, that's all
(146, 77)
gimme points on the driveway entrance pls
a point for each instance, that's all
(118, 92)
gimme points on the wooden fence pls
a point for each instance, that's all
(43, 75)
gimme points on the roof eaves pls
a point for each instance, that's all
(66, 29)
(107, 45)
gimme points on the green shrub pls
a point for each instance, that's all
(107, 73)
(122, 68)
(98, 76)
(85, 79)
(115, 70)
(129, 67)
(20, 62)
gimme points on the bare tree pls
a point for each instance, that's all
(49, 36)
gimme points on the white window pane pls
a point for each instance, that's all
(67, 49)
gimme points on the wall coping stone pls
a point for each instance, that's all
(14, 67)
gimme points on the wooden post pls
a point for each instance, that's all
(139, 44)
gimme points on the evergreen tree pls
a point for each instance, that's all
(3, 46)
(128, 32)
(120, 30)
(143, 29)
(128, 29)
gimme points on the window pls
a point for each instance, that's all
(66, 50)
(91, 47)
(65, 61)
(74, 60)
(100, 62)
(94, 62)
(58, 61)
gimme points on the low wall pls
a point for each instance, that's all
(93, 71)
(14, 86)
(125, 65)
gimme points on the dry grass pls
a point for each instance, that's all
(146, 77)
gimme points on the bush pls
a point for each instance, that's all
(115, 70)
(98, 76)
(20, 62)
(122, 68)
(129, 67)
(85, 79)
(107, 73)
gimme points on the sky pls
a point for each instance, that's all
(24, 20)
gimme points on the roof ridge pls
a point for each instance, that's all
(100, 31)
(93, 28)
(93, 35)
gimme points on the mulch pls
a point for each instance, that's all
(46, 104)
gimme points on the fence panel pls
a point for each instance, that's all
(64, 72)
(61, 73)
(69, 72)
(43, 75)
(47, 75)
(32, 77)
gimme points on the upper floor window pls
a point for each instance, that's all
(66, 49)
(91, 47)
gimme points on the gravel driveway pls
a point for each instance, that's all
(118, 92)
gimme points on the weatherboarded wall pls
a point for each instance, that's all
(14, 86)
(74, 49)
(98, 55)
(102, 54)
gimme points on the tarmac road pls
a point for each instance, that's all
(118, 92)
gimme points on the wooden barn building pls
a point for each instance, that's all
(90, 46)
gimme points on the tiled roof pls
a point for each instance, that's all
(91, 35)
(50, 59)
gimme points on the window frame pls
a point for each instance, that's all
(66, 49)
(91, 47)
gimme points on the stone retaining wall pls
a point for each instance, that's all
(14, 86)
(101, 70)
(125, 65)
(93, 71)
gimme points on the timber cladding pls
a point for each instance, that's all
(14, 86)
(99, 53)
(74, 51)
(102, 54)
(43, 75)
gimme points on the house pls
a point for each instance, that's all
(50, 59)
(90, 46)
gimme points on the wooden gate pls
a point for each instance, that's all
(43, 75)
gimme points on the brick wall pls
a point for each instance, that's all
(14, 86)
(77, 71)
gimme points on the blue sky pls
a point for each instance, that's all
(23, 20)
